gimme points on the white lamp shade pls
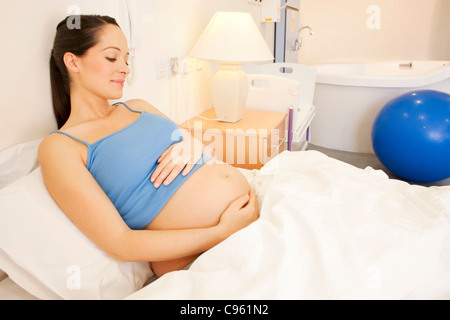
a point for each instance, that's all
(234, 37)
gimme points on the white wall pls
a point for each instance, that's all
(169, 29)
(409, 30)
(27, 29)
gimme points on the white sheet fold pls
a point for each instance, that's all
(327, 230)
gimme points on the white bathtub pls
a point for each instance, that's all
(349, 96)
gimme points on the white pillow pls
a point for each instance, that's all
(18, 161)
(47, 255)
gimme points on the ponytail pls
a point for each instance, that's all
(60, 93)
(76, 40)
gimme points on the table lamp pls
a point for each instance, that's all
(231, 38)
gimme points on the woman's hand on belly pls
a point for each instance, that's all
(240, 213)
(215, 193)
(179, 158)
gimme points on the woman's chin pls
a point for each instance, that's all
(115, 96)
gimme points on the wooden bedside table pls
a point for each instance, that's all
(248, 143)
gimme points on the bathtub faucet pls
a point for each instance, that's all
(298, 41)
(306, 27)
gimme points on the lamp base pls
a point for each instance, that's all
(229, 92)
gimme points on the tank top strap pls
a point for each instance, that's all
(127, 107)
(71, 136)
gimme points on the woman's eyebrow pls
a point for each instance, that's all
(115, 49)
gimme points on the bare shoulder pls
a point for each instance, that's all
(142, 105)
(49, 145)
(56, 148)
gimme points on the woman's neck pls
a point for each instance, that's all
(86, 108)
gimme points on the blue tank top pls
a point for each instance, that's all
(123, 162)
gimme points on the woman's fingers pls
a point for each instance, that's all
(178, 158)
(240, 213)
(251, 206)
(172, 174)
(188, 168)
(169, 168)
(164, 154)
(240, 202)
(163, 163)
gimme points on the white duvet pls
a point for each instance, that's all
(327, 230)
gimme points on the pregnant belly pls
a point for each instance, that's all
(202, 198)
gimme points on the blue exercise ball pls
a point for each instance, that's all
(411, 136)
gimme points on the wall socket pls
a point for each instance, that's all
(174, 66)
(167, 67)
(162, 68)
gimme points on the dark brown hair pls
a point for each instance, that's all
(77, 39)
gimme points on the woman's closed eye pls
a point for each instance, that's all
(114, 60)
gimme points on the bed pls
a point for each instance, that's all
(327, 230)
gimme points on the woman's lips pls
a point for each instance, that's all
(119, 82)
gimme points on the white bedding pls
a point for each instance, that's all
(327, 231)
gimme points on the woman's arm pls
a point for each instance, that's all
(81, 198)
(175, 244)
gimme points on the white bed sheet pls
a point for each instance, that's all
(327, 230)
(9, 290)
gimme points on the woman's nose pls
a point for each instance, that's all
(126, 70)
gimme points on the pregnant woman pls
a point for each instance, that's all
(122, 173)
